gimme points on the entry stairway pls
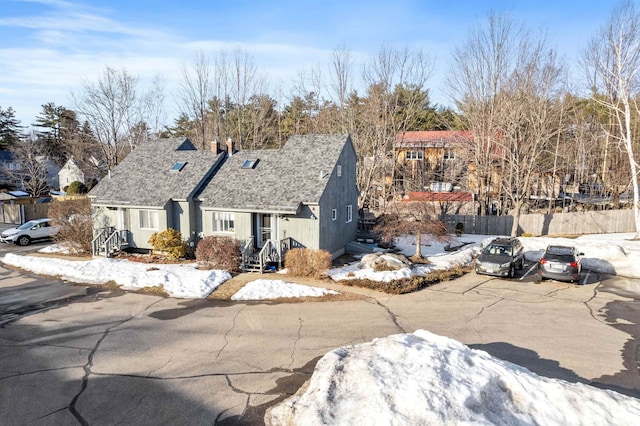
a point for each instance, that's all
(109, 241)
(270, 255)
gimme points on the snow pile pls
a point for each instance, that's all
(276, 289)
(435, 253)
(423, 378)
(183, 281)
(54, 249)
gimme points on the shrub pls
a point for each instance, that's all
(307, 263)
(459, 228)
(76, 187)
(216, 252)
(170, 242)
(73, 220)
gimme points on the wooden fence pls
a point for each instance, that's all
(588, 222)
(21, 213)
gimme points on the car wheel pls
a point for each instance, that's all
(512, 271)
(23, 240)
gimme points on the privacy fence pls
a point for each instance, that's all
(21, 213)
(589, 222)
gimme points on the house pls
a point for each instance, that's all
(152, 189)
(70, 172)
(425, 160)
(303, 194)
(9, 165)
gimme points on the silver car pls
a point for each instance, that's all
(560, 263)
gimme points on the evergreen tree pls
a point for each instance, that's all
(10, 128)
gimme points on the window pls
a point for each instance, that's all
(334, 214)
(223, 222)
(339, 170)
(149, 219)
(249, 164)
(415, 155)
(449, 154)
(349, 213)
(179, 165)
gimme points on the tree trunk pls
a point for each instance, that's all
(517, 210)
(418, 244)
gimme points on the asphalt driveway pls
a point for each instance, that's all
(115, 357)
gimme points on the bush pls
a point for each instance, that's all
(307, 263)
(459, 228)
(216, 252)
(169, 242)
(74, 223)
(76, 187)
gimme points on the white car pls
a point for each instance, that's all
(37, 229)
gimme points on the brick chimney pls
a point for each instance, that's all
(230, 146)
(215, 146)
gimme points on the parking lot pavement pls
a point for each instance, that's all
(131, 358)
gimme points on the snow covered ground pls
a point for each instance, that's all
(422, 378)
(606, 253)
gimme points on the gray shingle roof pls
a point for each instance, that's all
(281, 179)
(144, 177)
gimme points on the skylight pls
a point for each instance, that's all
(249, 164)
(178, 166)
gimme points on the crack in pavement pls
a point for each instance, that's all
(233, 325)
(485, 308)
(477, 285)
(295, 343)
(394, 317)
(593, 315)
(87, 366)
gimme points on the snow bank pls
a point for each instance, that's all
(276, 289)
(182, 281)
(423, 378)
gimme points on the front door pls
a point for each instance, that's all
(123, 223)
(265, 228)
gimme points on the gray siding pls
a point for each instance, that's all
(340, 192)
(139, 237)
(302, 227)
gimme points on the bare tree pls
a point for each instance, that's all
(152, 106)
(341, 84)
(612, 60)
(505, 81)
(416, 218)
(195, 94)
(110, 105)
(31, 172)
(395, 78)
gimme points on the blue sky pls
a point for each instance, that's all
(47, 47)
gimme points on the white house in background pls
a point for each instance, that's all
(70, 172)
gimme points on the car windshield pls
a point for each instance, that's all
(27, 225)
(495, 249)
